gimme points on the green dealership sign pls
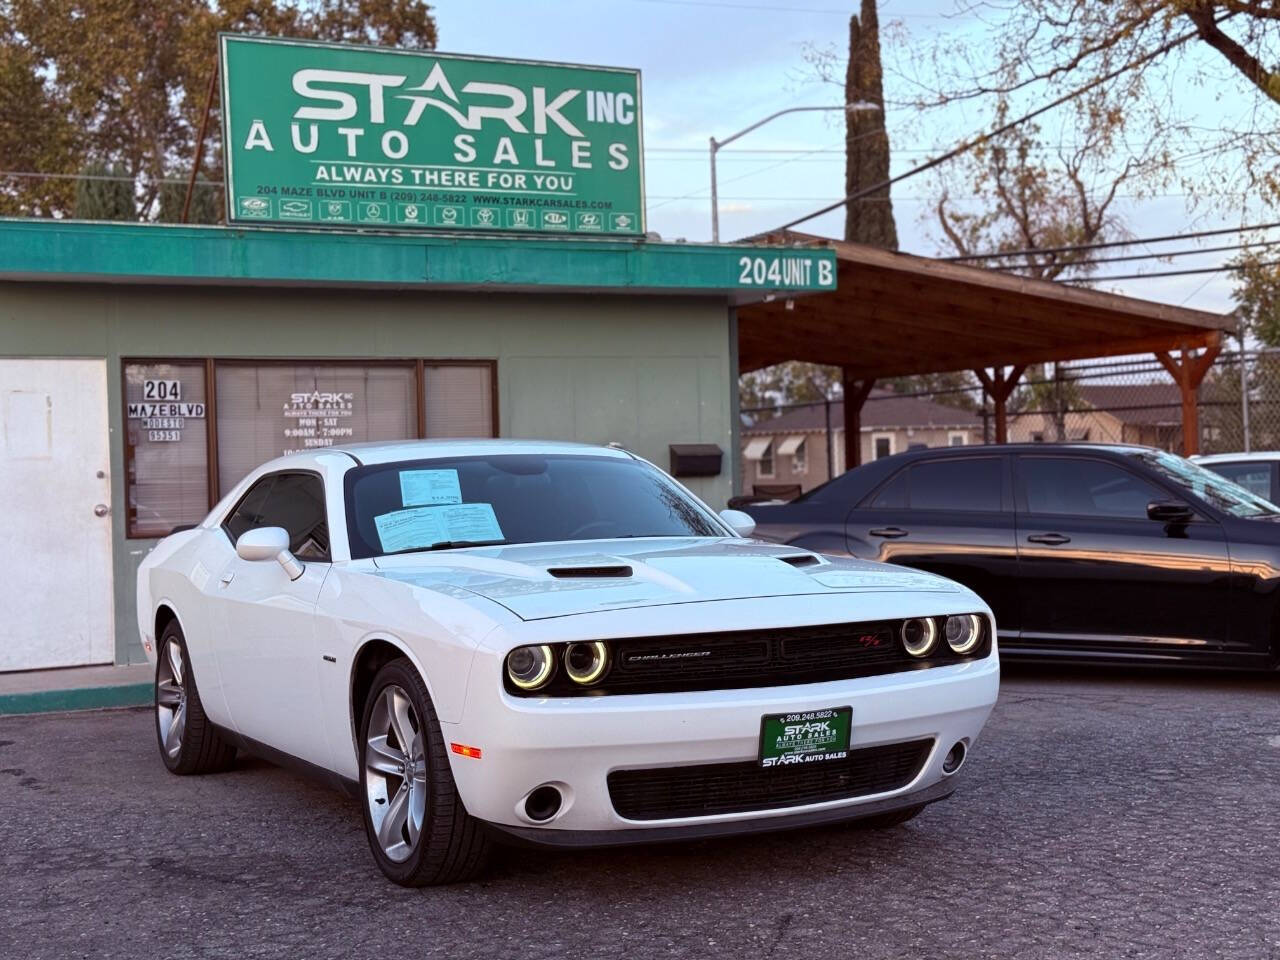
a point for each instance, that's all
(349, 137)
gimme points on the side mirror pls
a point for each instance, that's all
(269, 543)
(742, 523)
(1170, 511)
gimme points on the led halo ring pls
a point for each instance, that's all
(529, 668)
(596, 667)
(925, 630)
(968, 632)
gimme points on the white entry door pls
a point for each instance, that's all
(55, 519)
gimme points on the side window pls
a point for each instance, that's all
(893, 495)
(970, 484)
(1084, 488)
(297, 504)
(294, 501)
(1254, 477)
(251, 509)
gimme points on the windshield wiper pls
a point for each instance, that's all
(445, 545)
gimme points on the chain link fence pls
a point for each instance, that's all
(790, 448)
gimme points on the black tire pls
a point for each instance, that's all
(884, 821)
(452, 846)
(201, 749)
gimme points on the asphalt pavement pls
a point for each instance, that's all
(1103, 814)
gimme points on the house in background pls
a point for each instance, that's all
(788, 454)
(1145, 413)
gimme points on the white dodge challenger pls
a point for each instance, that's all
(555, 644)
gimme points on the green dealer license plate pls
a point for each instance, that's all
(809, 737)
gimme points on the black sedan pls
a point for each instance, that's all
(1083, 551)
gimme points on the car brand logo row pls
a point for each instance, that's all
(434, 215)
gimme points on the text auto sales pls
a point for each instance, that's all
(536, 165)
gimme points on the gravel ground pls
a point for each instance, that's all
(1104, 814)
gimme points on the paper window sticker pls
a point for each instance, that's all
(473, 522)
(410, 529)
(421, 488)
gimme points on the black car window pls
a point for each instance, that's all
(249, 511)
(968, 484)
(294, 501)
(297, 504)
(893, 495)
(1253, 475)
(1085, 488)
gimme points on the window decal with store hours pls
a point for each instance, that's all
(318, 419)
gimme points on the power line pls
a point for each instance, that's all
(1224, 268)
(1107, 244)
(982, 138)
(1190, 251)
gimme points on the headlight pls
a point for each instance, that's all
(530, 667)
(586, 662)
(919, 636)
(964, 632)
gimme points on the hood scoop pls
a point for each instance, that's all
(801, 560)
(599, 572)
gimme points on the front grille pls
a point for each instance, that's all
(666, 793)
(754, 658)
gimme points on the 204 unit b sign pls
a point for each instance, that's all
(360, 137)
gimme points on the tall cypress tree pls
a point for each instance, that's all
(869, 220)
(104, 193)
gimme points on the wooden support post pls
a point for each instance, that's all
(855, 395)
(1188, 374)
(1000, 386)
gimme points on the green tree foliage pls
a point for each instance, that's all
(206, 200)
(104, 193)
(1257, 295)
(125, 81)
(788, 383)
(870, 220)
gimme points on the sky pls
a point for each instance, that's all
(712, 67)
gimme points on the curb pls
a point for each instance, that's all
(81, 698)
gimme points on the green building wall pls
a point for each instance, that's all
(641, 370)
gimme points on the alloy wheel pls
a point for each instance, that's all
(395, 773)
(171, 699)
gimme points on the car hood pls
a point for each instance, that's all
(537, 581)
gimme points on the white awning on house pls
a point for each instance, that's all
(791, 445)
(756, 448)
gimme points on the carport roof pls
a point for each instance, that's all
(895, 314)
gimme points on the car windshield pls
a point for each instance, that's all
(1214, 489)
(412, 506)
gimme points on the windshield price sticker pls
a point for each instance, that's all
(351, 137)
(419, 528)
(810, 737)
(429, 487)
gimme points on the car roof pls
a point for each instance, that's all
(988, 449)
(1228, 457)
(393, 451)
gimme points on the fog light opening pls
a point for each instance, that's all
(543, 803)
(954, 759)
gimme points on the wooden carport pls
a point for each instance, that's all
(894, 314)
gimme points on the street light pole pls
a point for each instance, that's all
(856, 106)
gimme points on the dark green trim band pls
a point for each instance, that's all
(64, 250)
(81, 698)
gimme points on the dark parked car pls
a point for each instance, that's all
(1082, 551)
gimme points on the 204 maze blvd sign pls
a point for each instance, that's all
(345, 136)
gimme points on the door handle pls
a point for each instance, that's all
(228, 577)
(1052, 539)
(889, 533)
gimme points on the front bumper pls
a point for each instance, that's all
(574, 743)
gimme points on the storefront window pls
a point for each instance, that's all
(459, 400)
(166, 447)
(266, 410)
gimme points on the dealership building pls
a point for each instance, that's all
(145, 369)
